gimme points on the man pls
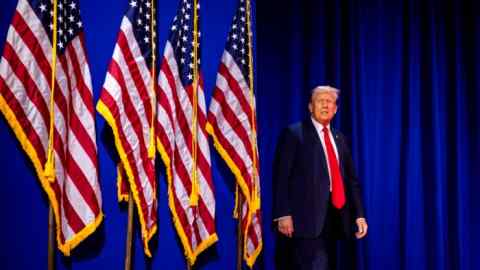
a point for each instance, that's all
(316, 193)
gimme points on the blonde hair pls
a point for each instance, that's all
(325, 89)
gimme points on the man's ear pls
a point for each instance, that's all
(310, 107)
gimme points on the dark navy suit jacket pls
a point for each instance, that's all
(301, 182)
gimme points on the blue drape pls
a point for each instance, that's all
(409, 74)
(410, 78)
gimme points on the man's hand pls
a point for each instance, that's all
(362, 228)
(285, 226)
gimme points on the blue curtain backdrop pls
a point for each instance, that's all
(409, 74)
(410, 78)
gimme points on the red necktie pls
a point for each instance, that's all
(338, 193)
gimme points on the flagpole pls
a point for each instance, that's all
(240, 236)
(51, 238)
(49, 167)
(128, 245)
(151, 146)
(194, 189)
(254, 198)
(194, 192)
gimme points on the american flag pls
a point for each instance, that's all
(25, 90)
(182, 139)
(232, 124)
(126, 104)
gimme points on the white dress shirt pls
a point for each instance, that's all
(319, 128)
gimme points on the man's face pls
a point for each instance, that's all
(323, 107)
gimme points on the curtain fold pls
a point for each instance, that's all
(409, 72)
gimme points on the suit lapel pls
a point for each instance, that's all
(313, 139)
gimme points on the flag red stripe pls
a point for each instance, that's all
(75, 124)
(82, 88)
(135, 74)
(196, 232)
(236, 90)
(202, 121)
(59, 146)
(163, 137)
(184, 176)
(33, 93)
(62, 62)
(112, 105)
(251, 232)
(237, 159)
(24, 77)
(83, 137)
(73, 220)
(134, 118)
(163, 100)
(27, 127)
(239, 162)
(182, 122)
(207, 218)
(182, 216)
(202, 163)
(232, 119)
(82, 184)
(33, 44)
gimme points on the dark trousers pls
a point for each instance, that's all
(319, 253)
(311, 253)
